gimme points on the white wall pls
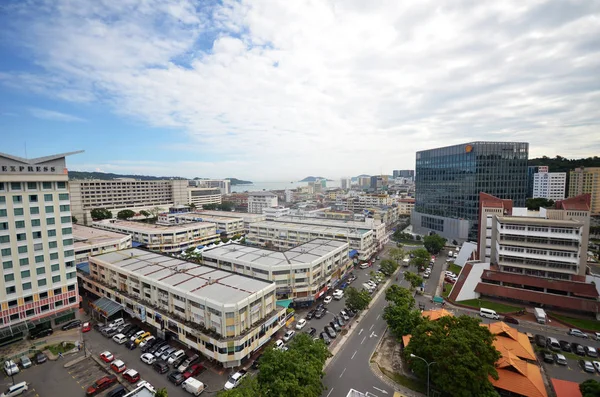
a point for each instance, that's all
(468, 290)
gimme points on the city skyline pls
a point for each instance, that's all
(331, 89)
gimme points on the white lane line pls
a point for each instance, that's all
(381, 390)
(353, 355)
(377, 317)
(363, 341)
(371, 327)
(360, 332)
(342, 374)
(329, 392)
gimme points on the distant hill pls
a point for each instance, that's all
(313, 178)
(235, 181)
(73, 175)
(562, 164)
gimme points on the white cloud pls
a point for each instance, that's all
(46, 114)
(327, 87)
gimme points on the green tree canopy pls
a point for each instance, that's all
(210, 207)
(590, 388)
(125, 214)
(73, 219)
(401, 319)
(400, 296)
(397, 254)
(357, 300)
(414, 279)
(154, 211)
(145, 213)
(421, 257)
(388, 267)
(434, 243)
(162, 392)
(400, 235)
(461, 375)
(534, 204)
(100, 213)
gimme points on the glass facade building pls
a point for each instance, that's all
(449, 179)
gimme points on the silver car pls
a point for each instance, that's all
(167, 353)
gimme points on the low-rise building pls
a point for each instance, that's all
(275, 212)
(302, 273)
(200, 196)
(259, 200)
(405, 206)
(223, 315)
(91, 241)
(246, 217)
(224, 224)
(170, 239)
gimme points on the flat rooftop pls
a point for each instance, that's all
(85, 236)
(209, 217)
(537, 221)
(336, 230)
(305, 253)
(322, 222)
(153, 228)
(176, 274)
(232, 214)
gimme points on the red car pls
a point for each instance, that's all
(450, 280)
(131, 375)
(193, 370)
(87, 327)
(107, 356)
(100, 385)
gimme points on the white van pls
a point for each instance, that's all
(15, 390)
(116, 322)
(483, 312)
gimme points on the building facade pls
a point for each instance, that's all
(117, 195)
(405, 206)
(346, 183)
(302, 273)
(275, 212)
(586, 181)
(224, 316)
(224, 224)
(39, 282)
(90, 241)
(259, 200)
(549, 185)
(531, 171)
(449, 179)
(200, 196)
(224, 185)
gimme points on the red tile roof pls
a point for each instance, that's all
(577, 203)
(518, 376)
(565, 302)
(576, 288)
(565, 388)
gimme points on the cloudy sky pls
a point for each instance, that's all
(276, 90)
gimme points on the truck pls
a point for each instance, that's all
(193, 386)
(406, 262)
(540, 315)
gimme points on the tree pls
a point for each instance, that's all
(191, 206)
(400, 296)
(162, 392)
(418, 238)
(248, 388)
(155, 211)
(388, 267)
(463, 351)
(401, 319)
(590, 388)
(145, 213)
(434, 243)
(357, 300)
(534, 204)
(125, 214)
(73, 219)
(414, 279)
(397, 254)
(100, 213)
(211, 207)
(420, 257)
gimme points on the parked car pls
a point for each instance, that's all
(148, 343)
(10, 368)
(101, 384)
(235, 379)
(148, 358)
(577, 349)
(193, 370)
(118, 391)
(123, 327)
(119, 338)
(597, 335)
(540, 340)
(547, 356)
(327, 299)
(161, 366)
(167, 353)
(310, 314)
(319, 314)
(41, 333)
(344, 316)
(325, 338)
(131, 375)
(111, 331)
(187, 362)
(577, 333)
(289, 334)
(177, 362)
(141, 337)
(587, 366)
(87, 327)
(339, 321)
(130, 345)
(278, 344)
(149, 339)
(107, 356)
(40, 358)
(176, 355)
(591, 351)
(132, 331)
(71, 325)
(596, 365)
(565, 346)
(160, 350)
(25, 362)
(312, 331)
(301, 324)
(118, 366)
(335, 326)
(331, 332)
(155, 346)
(560, 359)
(176, 378)
(137, 335)
(511, 320)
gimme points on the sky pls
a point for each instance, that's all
(271, 90)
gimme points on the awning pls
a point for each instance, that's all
(105, 306)
(136, 244)
(353, 253)
(284, 302)
(84, 267)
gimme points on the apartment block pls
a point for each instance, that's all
(117, 195)
(405, 206)
(200, 196)
(223, 315)
(403, 174)
(224, 185)
(586, 180)
(247, 218)
(275, 212)
(303, 273)
(39, 283)
(259, 200)
(182, 215)
(549, 185)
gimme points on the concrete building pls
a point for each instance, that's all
(531, 171)
(346, 183)
(224, 185)
(259, 200)
(364, 181)
(285, 235)
(90, 241)
(223, 315)
(117, 195)
(302, 273)
(169, 239)
(549, 185)
(403, 174)
(405, 206)
(275, 212)
(200, 196)
(246, 217)
(449, 180)
(586, 181)
(379, 182)
(224, 224)
(36, 245)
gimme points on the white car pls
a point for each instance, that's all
(596, 365)
(147, 384)
(148, 358)
(279, 344)
(235, 379)
(119, 338)
(301, 324)
(175, 356)
(327, 299)
(288, 335)
(426, 275)
(10, 368)
(137, 335)
(145, 341)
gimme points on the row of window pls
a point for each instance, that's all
(33, 198)
(41, 283)
(20, 186)
(38, 223)
(35, 210)
(42, 309)
(38, 258)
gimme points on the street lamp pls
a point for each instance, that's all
(428, 364)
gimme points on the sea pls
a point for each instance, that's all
(259, 186)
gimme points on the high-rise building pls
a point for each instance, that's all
(403, 174)
(346, 183)
(549, 185)
(449, 179)
(39, 287)
(586, 180)
(259, 200)
(531, 171)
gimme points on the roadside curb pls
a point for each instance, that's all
(76, 361)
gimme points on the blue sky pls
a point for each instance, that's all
(266, 90)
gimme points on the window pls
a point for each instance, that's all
(54, 256)
(58, 303)
(9, 277)
(69, 253)
(2, 186)
(45, 308)
(11, 290)
(51, 233)
(26, 285)
(36, 235)
(5, 251)
(4, 239)
(43, 295)
(65, 219)
(46, 185)
(68, 241)
(17, 199)
(41, 283)
(29, 312)
(53, 244)
(67, 230)
(33, 198)
(61, 185)
(65, 208)
(50, 221)
(57, 291)
(14, 317)
(55, 279)
(2, 198)
(31, 186)
(23, 261)
(25, 274)
(22, 249)
(47, 197)
(20, 224)
(15, 186)
(38, 247)
(55, 267)
(7, 265)
(63, 196)
(39, 258)
(49, 209)
(28, 299)
(40, 270)
(34, 210)
(35, 222)
(4, 225)
(18, 211)
(3, 213)
(71, 287)
(72, 299)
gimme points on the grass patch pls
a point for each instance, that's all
(571, 356)
(405, 381)
(583, 323)
(447, 289)
(498, 307)
(374, 357)
(454, 268)
(59, 348)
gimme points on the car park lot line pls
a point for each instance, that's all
(330, 391)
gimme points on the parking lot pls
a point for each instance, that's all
(86, 372)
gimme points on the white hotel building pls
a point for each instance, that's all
(259, 200)
(549, 185)
(223, 315)
(39, 282)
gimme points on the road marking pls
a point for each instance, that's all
(371, 327)
(363, 340)
(377, 317)
(329, 392)
(360, 332)
(342, 374)
(353, 355)
(372, 334)
(383, 391)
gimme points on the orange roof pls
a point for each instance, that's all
(518, 376)
(508, 338)
(406, 340)
(436, 314)
(577, 203)
(565, 388)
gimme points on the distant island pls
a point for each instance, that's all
(235, 181)
(313, 178)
